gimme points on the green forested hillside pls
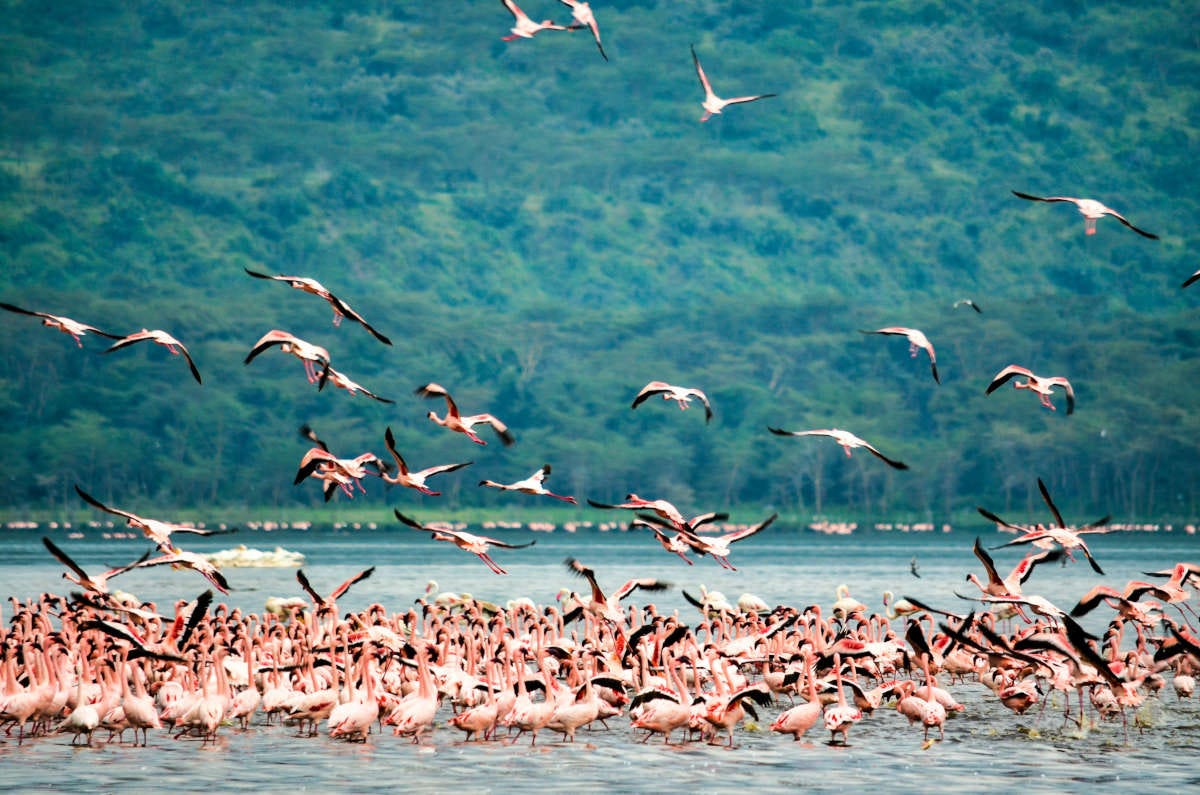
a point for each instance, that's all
(543, 232)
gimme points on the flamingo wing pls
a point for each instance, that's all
(893, 463)
(1125, 221)
(649, 390)
(1002, 377)
(700, 73)
(341, 589)
(308, 589)
(1058, 520)
(95, 503)
(1187, 282)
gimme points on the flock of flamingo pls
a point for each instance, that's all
(100, 660)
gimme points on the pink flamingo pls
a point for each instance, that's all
(1043, 387)
(523, 26)
(581, 12)
(341, 381)
(681, 395)
(916, 341)
(158, 532)
(534, 484)
(1091, 210)
(413, 480)
(454, 421)
(475, 544)
(162, 338)
(847, 440)
(306, 352)
(712, 103)
(340, 308)
(65, 324)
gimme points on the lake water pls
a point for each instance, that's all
(986, 747)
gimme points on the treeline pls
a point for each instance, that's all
(543, 233)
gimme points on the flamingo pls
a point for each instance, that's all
(1010, 585)
(475, 544)
(328, 604)
(340, 308)
(967, 302)
(162, 338)
(661, 507)
(530, 485)
(98, 583)
(1058, 535)
(916, 341)
(672, 543)
(1091, 210)
(581, 12)
(318, 462)
(847, 440)
(66, 325)
(841, 716)
(712, 103)
(413, 480)
(609, 607)
(306, 352)
(524, 27)
(190, 560)
(341, 381)
(680, 394)
(1044, 387)
(802, 717)
(718, 546)
(456, 422)
(158, 532)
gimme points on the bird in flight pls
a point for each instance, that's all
(712, 103)
(162, 338)
(340, 308)
(916, 341)
(1044, 387)
(847, 440)
(66, 325)
(680, 394)
(1091, 210)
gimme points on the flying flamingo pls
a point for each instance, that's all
(344, 472)
(916, 341)
(1091, 210)
(98, 583)
(66, 325)
(156, 531)
(1057, 536)
(1044, 387)
(456, 422)
(340, 308)
(681, 395)
(718, 546)
(609, 607)
(664, 509)
(328, 604)
(413, 480)
(967, 302)
(584, 18)
(162, 338)
(847, 440)
(190, 560)
(712, 103)
(306, 352)
(524, 27)
(476, 545)
(530, 485)
(341, 381)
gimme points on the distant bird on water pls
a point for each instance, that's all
(680, 394)
(1044, 387)
(916, 341)
(340, 308)
(162, 338)
(1091, 210)
(847, 440)
(66, 325)
(712, 103)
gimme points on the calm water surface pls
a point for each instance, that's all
(986, 747)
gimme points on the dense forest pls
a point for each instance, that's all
(543, 232)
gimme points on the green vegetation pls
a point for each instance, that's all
(543, 233)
